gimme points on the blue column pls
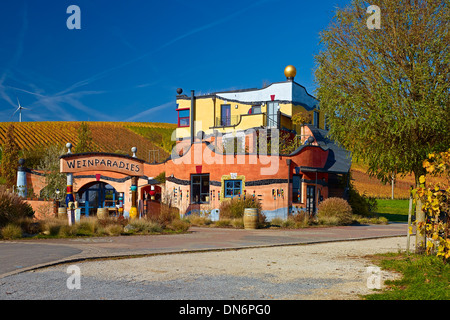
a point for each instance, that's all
(86, 206)
(69, 193)
(21, 179)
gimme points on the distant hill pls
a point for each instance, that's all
(372, 187)
(152, 140)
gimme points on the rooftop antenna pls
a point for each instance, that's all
(20, 110)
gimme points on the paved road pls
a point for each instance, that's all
(25, 255)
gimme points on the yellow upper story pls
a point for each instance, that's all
(270, 107)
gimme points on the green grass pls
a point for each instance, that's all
(424, 278)
(393, 210)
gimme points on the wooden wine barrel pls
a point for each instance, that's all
(250, 218)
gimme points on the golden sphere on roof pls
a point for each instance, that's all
(290, 72)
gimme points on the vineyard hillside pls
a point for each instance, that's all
(152, 140)
(372, 187)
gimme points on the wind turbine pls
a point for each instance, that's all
(20, 110)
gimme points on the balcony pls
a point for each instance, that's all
(241, 122)
(230, 121)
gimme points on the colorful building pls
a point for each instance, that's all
(233, 112)
(203, 171)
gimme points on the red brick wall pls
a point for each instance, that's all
(42, 209)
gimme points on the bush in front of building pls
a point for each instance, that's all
(198, 220)
(179, 225)
(297, 221)
(361, 204)
(12, 208)
(335, 211)
(11, 231)
(234, 208)
(167, 215)
(142, 226)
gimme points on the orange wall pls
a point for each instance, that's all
(201, 159)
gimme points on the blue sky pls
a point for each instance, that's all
(129, 57)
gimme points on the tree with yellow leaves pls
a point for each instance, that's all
(435, 199)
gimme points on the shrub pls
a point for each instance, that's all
(196, 220)
(143, 226)
(223, 223)
(277, 222)
(178, 225)
(113, 229)
(11, 231)
(12, 208)
(51, 226)
(262, 219)
(335, 211)
(234, 208)
(301, 220)
(87, 227)
(67, 231)
(370, 220)
(288, 223)
(29, 226)
(361, 204)
(237, 223)
(167, 215)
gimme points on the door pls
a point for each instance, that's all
(96, 195)
(297, 188)
(225, 115)
(272, 114)
(311, 199)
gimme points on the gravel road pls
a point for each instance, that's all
(318, 271)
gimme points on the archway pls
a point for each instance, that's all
(96, 195)
(97, 163)
(150, 205)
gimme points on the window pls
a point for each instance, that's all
(272, 114)
(183, 117)
(256, 109)
(200, 188)
(297, 189)
(232, 188)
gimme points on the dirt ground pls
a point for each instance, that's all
(338, 270)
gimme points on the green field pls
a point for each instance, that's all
(424, 277)
(393, 210)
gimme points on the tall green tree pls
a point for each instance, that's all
(386, 91)
(10, 157)
(85, 142)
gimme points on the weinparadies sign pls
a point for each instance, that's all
(79, 162)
